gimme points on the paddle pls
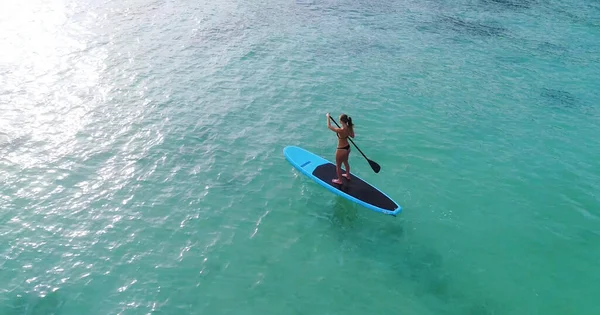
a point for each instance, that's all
(376, 168)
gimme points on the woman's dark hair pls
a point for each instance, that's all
(347, 120)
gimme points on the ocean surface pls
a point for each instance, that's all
(142, 167)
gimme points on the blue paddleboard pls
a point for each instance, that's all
(357, 190)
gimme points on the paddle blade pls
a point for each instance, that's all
(376, 168)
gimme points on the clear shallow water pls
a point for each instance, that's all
(142, 167)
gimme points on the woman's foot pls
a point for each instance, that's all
(346, 175)
(336, 181)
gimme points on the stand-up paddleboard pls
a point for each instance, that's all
(323, 171)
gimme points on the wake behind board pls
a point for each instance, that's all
(357, 190)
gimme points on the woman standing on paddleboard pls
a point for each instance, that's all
(343, 149)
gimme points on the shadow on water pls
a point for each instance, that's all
(34, 304)
(470, 28)
(345, 213)
(510, 4)
(552, 49)
(433, 283)
(10, 144)
(558, 98)
(561, 100)
(305, 2)
(4, 139)
(411, 260)
(578, 17)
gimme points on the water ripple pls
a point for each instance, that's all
(140, 151)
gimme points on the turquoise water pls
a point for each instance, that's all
(142, 169)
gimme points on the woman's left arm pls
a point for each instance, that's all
(330, 126)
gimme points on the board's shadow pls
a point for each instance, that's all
(33, 304)
(344, 212)
(407, 256)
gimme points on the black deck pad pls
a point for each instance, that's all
(354, 187)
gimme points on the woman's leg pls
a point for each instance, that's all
(338, 167)
(347, 165)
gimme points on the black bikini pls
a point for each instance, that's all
(346, 147)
